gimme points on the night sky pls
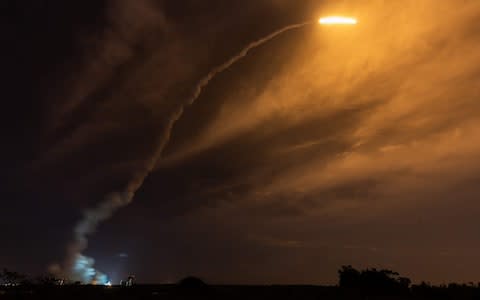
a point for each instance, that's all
(326, 146)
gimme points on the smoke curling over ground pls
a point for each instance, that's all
(366, 126)
(78, 266)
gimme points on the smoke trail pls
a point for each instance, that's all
(78, 266)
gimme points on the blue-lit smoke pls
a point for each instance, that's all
(84, 271)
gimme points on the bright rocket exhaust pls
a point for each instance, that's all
(337, 20)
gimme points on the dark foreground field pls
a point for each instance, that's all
(230, 292)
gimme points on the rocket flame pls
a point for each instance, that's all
(337, 20)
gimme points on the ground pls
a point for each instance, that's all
(226, 292)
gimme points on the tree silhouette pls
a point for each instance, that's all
(48, 280)
(373, 281)
(12, 278)
(349, 277)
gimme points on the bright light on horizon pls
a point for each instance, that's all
(337, 20)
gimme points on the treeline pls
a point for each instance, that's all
(373, 282)
(14, 279)
(367, 281)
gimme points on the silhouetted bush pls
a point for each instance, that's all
(192, 283)
(373, 281)
(349, 277)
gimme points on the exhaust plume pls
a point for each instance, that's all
(79, 267)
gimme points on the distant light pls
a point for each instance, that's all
(108, 283)
(337, 20)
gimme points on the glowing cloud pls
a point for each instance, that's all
(337, 20)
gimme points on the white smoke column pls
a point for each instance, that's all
(118, 200)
